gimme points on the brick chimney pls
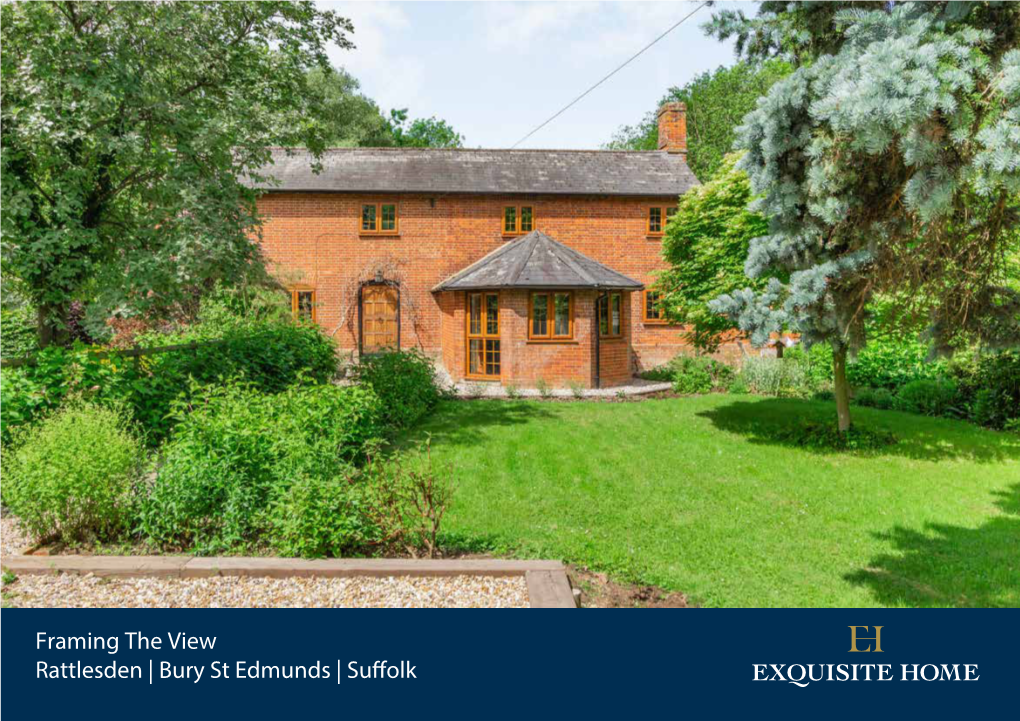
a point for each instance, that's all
(673, 128)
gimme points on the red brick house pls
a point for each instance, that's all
(505, 265)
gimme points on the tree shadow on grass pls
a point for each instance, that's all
(463, 423)
(951, 565)
(770, 422)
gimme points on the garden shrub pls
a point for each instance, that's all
(30, 392)
(938, 397)
(270, 356)
(18, 334)
(409, 498)
(990, 384)
(881, 398)
(405, 382)
(738, 386)
(776, 376)
(700, 374)
(236, 452)
(882, 363)
(71, 476)
(692, 374)
(322, 517)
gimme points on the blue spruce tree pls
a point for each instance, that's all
(887, 163)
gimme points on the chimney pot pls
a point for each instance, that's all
(672, 119)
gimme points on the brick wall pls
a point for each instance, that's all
(314, 239)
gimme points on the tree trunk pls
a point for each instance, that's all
(51, 323)
(841, 388)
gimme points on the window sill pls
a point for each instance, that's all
(660, 323)
(508, 236)
(366, 234)
(552, 341)
(611, 338)
(654, 236)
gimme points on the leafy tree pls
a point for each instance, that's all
(349, 118)
(128, 130)
(716, 103)
(423, 132)
(888, 163)
(705, 245)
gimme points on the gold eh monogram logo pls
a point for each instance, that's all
(877, 638)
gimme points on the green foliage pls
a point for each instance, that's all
(513, 392)
(769, 376)
(881, 398)
(705, 246)
(71, 476)
(938, 397)
(323, 517)
(738, 386)
(349, 118)
(405, 382)
(888, 165)
(716, 104)
(692, 374)
(18, 335)
(271, 356)
(129, 132)
(410, 497)
(423, 132)
(227, 473)
(543, 387)
(991, 384)
(884, 363)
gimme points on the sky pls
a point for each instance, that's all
(495, 70)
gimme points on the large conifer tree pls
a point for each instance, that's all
(887, 163)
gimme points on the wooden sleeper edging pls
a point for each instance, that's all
(548, 585)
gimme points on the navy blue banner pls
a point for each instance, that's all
(197, 663)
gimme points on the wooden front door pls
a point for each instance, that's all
(380, 327)
(483, 350)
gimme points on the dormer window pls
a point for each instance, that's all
(518, 219)
(658, 216)
(380, 218)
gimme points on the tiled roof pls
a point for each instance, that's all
(537, 261)
(430, 170)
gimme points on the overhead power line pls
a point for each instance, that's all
(618, 69)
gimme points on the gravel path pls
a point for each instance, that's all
(70, 591)
(12, 539)
(637, 387)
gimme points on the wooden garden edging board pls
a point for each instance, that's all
(548, 586)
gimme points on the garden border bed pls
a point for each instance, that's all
(548, 584)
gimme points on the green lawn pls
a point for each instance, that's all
(693, 495)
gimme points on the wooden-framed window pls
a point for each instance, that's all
(302, 304)
(653, 312)
(379, 218)
(658, 216)
(483, 347)
(518, 219)
(610, 314)
(551, 315)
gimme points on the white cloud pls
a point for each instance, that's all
(520, 26)
(388, 76)
(583, 32)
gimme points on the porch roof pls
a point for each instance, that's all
(537, 261)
